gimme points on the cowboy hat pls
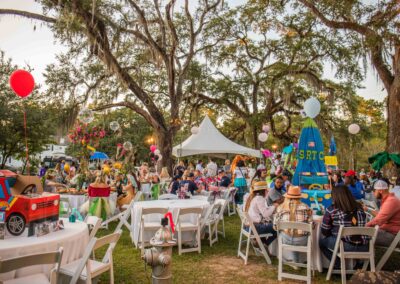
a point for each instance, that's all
(293, 192)
(259, 185)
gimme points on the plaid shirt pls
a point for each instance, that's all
(333, 218)
(293, 211)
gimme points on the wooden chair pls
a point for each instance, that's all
(150, 226)
(86, 269)
(250, 233)
(393, 247)
(7, 265)
(305, 227)
(189, 226)
(339, 251)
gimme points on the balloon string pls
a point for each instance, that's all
(26, 144)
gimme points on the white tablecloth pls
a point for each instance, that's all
(172, 205)
(75, 200)
(74, 239)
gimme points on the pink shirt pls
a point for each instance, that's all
(388, 218)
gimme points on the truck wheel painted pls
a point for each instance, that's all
(16, 224)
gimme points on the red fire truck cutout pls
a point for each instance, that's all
(27, 207)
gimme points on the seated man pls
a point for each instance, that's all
(276, 191)
(388, 217)
(191, 185)
(223, 180)
(293, 210)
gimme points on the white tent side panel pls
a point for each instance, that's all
(210, 141)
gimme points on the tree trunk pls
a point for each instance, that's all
(255, 136)
(393, 123)
(165, 147)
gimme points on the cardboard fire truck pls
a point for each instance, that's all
(24, 202)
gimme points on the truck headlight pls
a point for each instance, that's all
(34, 206)
(56, 202)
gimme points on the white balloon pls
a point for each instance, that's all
(194, 130)
(86, 115)
(354, 128)
(114, 125)
(127, 146)
(312, 107)
(157, 152)
(262, 137)
(266, 128)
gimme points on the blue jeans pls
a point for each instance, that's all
(327, 245)
(266, 228)
(295, 241)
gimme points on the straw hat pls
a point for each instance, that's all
(260, 185)
(293, 192)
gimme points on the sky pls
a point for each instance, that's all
(38, 48)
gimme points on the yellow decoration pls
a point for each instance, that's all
(304, 195)
(331, 160)
(83, 141)
(328, 196)
(315, 186)
(118, 165)
(67, 168)
(91, 148)
(106, 170)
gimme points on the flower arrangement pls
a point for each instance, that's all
(85, 134)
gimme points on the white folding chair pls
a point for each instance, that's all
(7, 265)
(339, 251)
(231, 201)
(305, 227)
(85, 269)
(150, 225)
(250, 234)
(223, 203)
(94, 224)
(193, 225)
(389, 250)
(168, 196)
(210, 222)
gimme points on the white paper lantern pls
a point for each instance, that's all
(354, 128)
(262, 137)
(157, 152)
(127, 146)
(86, 115)
(266, 128)
(194, 130)
(159, 157)
(312, 107)
(114, 125)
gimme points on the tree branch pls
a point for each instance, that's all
(26, 14)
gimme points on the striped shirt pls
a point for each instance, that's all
(334, 218)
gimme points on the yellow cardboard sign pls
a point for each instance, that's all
(331, 160)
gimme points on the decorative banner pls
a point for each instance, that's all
(310, 154)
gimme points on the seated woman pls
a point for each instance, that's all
(346, 211)
(259, 213)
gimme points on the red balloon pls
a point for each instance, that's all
(22, 83)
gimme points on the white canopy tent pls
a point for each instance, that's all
(209, 140)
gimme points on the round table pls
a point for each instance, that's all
(74, 239)
(172, 205)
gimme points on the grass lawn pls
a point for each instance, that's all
(218, 264)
